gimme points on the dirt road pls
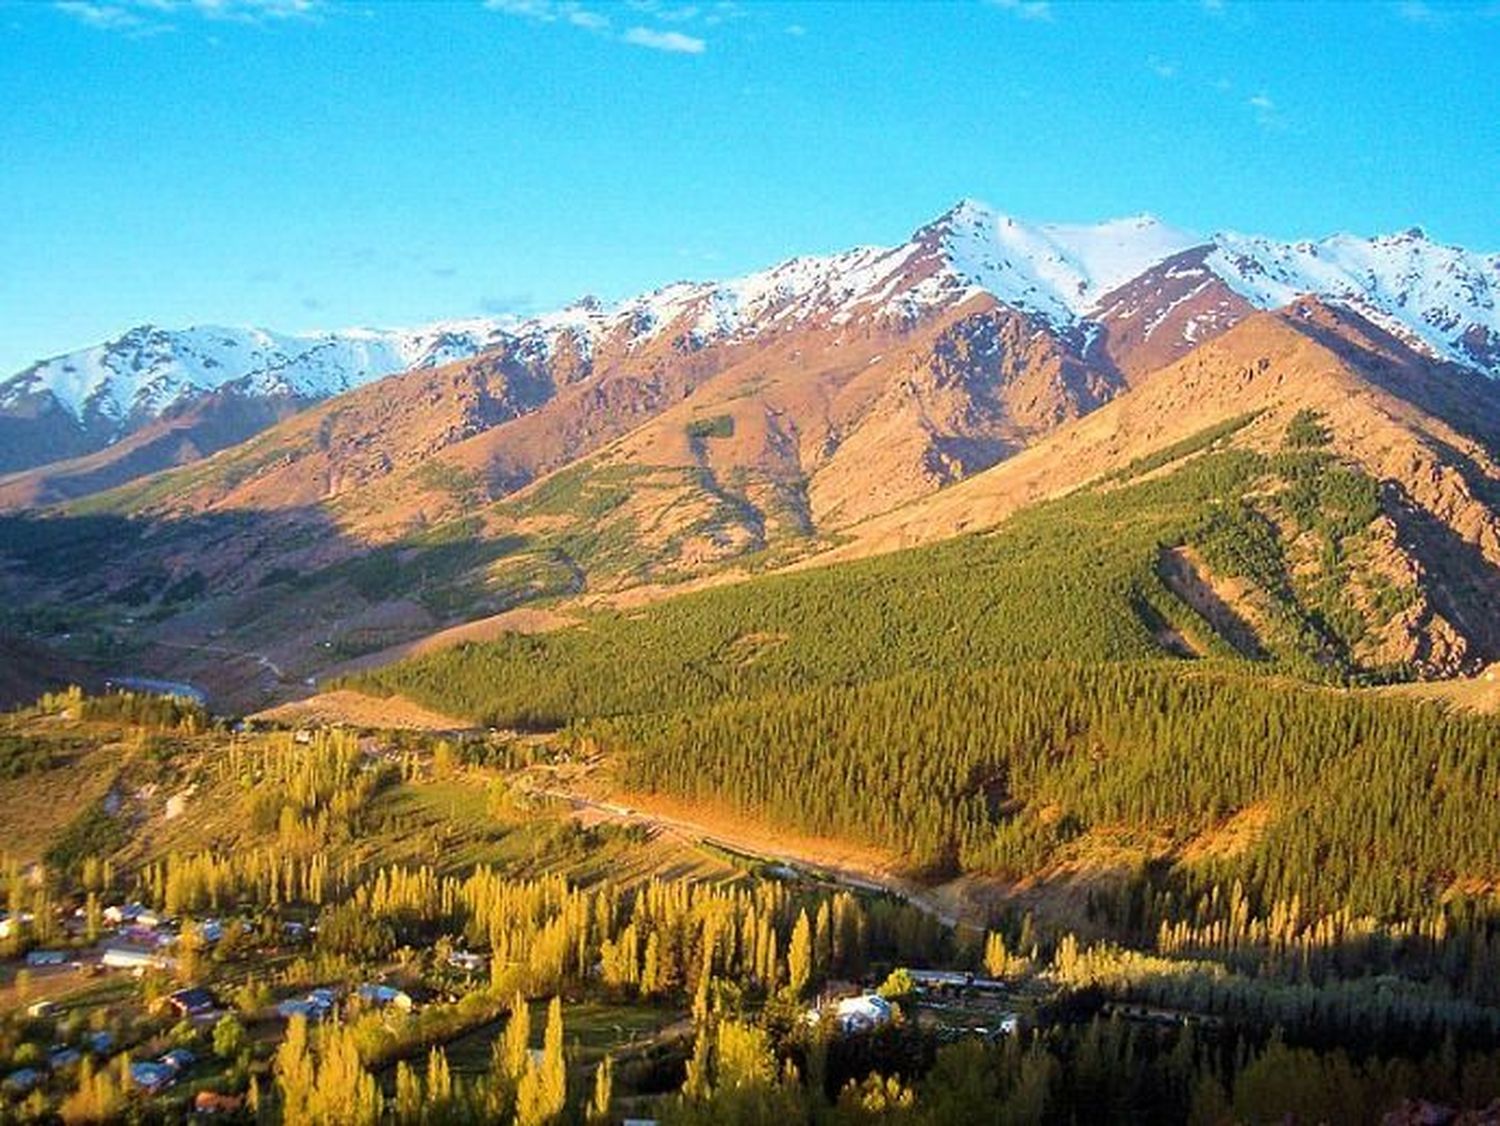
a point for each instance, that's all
(812, 866)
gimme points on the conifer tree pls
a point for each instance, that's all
(515, 1045)
(598, 1111)
(409, 1100)
(799, 956)
(554, 1067)
(439, 1086)
(294, 1071)
(996, 957)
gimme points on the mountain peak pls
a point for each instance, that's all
(1054, 269)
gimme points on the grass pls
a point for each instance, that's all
(41, 804)
(591, 1029)
(719, 426)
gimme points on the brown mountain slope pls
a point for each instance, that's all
(841, 423)
(1276, 363)
(1438, 539)
(799, 438)
(1161, 316)
(28, 669)
(36, 430)
(202, 427)
(698, 487)
(831, 420)
(722, 461)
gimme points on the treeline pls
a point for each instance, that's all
(746, 1069)
(660, 940)
(1184, 913)
(1101, 1069)
(1368, 1012)
(149, 710)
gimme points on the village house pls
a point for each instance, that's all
(21, 1081)
(118, 914)
(385, 997)
(178, 1059)
(152, 1077)
(192, 1004)
(211, 1102)
(317, 1004)
(126, 956)
(862, 1014)
(852, 1015)
(467, 962)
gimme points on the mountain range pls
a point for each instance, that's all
(313, 498)
(1440, 298)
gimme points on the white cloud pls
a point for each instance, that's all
(795, 29)
(552, 11)
(1026, 9)
(150, 17)
(574, 14)
(589, 21)
(666, 13)
(248, 11)
(105, 17)
(531, 9)
(1161, 68)
(1266, 113)
(673, 41)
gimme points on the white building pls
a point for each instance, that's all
(861, 1014)
(123, 957)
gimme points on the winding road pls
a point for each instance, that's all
(809, 866)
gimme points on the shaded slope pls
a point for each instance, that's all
(182, 435)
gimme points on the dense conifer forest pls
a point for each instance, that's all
(1000, 704)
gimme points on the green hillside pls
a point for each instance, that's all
(1078, 579)
(983, 704)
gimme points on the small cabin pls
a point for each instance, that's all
(189, 1003)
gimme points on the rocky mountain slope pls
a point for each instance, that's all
(824, 409)
(1126, 295)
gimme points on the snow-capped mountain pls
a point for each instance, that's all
(1057, 271)
(1441, 298)
(148, 369)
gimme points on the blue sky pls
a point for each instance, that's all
(308, 164)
